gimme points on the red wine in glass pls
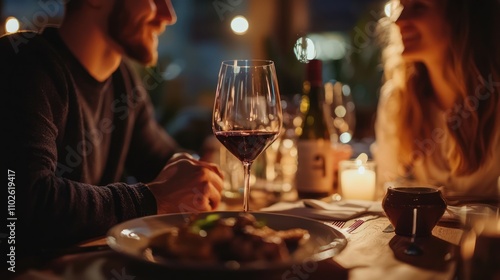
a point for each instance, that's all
(246, 145)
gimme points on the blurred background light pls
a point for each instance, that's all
(345, 137)
(346, 90)
(329, 45)
(387, 9)
(340, 111)
(239, 25)
(304, 49)
(11, 25)
(172, 71)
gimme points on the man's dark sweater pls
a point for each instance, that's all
(69, 140)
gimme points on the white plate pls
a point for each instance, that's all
(133, 237)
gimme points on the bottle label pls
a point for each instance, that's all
(315, 166)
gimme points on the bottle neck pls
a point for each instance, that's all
(315, 126)
(314, 93)
(314, 73)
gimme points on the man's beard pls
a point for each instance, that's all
(121, 31)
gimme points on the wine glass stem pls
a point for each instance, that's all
(246, 185)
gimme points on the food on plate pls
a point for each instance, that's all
(216, 239)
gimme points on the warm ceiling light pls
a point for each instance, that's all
(304, 49)
(11, 25)
(239, 25)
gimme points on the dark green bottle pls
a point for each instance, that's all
(314, 177)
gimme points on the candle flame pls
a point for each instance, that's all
(361, 159)
(361, 170)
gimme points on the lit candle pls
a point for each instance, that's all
(357, 179)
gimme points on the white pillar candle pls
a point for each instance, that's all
(358, 183)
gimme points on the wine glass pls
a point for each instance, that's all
(341, 115)
(247, 115)
(339, 107)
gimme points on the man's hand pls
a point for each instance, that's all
(187, 185)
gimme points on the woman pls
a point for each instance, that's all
(438, 119)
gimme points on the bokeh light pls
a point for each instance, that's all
(345, 137)
(11, 25)
(329, 45)
(239, 25)
(304, 49)
(387, 9)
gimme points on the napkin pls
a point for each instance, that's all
(343, 210)
(468, 212)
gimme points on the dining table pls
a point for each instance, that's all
(372, 251)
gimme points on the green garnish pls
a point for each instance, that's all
(260, 223)
(205, 223)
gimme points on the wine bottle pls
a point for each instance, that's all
(314, 177)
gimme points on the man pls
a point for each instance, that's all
(77, 118)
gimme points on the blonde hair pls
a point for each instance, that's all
(474, 69)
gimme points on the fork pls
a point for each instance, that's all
(338, 224)
(355, 225)
(358, 222)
